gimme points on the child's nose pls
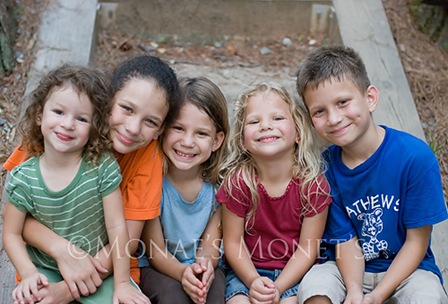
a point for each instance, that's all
(265, 125)
(133, 126)
(188, 140)
(68, 123)
(334, 117)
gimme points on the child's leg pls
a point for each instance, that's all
(217, 291)
(322, 283)
(238, 299)
(420, 287)
(160, 288)
(289, 300)
(236, 291)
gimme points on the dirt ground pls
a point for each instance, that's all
(425, 64)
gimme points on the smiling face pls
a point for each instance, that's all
(269, 128)
(139, 110)
(66, 120)
(340, 112)
(190, 140)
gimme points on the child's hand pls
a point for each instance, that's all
(207, 273)
(55, 293)
(28, 290)
(277, 296)
(262, 290)
(354, 297)
(125, 293)
(371, 298)
(197, 279)
(80, 271)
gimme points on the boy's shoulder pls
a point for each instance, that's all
(402, 142)
(393, 138)
(397, 147)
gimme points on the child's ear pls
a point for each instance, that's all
(372, 98)
(219, 138)
(39, 119)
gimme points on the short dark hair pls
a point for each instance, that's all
(151, 68)
(331, 62)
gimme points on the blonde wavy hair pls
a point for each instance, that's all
(240, 169)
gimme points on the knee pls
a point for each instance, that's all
(318, 300)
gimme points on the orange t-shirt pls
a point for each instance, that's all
(141, 185)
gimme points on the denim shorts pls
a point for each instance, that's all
(236, 286)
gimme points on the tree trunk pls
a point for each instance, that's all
(8, 28)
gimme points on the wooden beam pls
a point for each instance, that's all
(365, 27)
(66, 34)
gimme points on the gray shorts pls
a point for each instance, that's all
(421, 287)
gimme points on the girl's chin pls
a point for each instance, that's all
(122, 148)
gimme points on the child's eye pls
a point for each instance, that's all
(317, 113)
(343, 102)
(202, 134)
(253, 122)
(126, 108)
(177, 128)
(82, 119)
(277, 118)
(58, 112)
(151, 122)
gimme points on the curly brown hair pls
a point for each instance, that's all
(94, 83)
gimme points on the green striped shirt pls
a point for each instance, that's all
(75, 213)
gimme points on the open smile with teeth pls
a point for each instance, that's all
(184, 154)
(268, 139)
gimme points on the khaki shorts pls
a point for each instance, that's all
(420, 287)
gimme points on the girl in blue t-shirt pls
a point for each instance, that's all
(184, 246)
(275, 198)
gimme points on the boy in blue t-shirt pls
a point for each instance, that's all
(386, 188)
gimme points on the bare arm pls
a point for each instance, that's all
(134, 229)
(117, 232)
(404, 264)
(82, 273)
(161, 259)
(197, 279)
(235, 248)
(306, 254)
(15, 248)
(350, 261)
(211, 240)
(79, 270)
